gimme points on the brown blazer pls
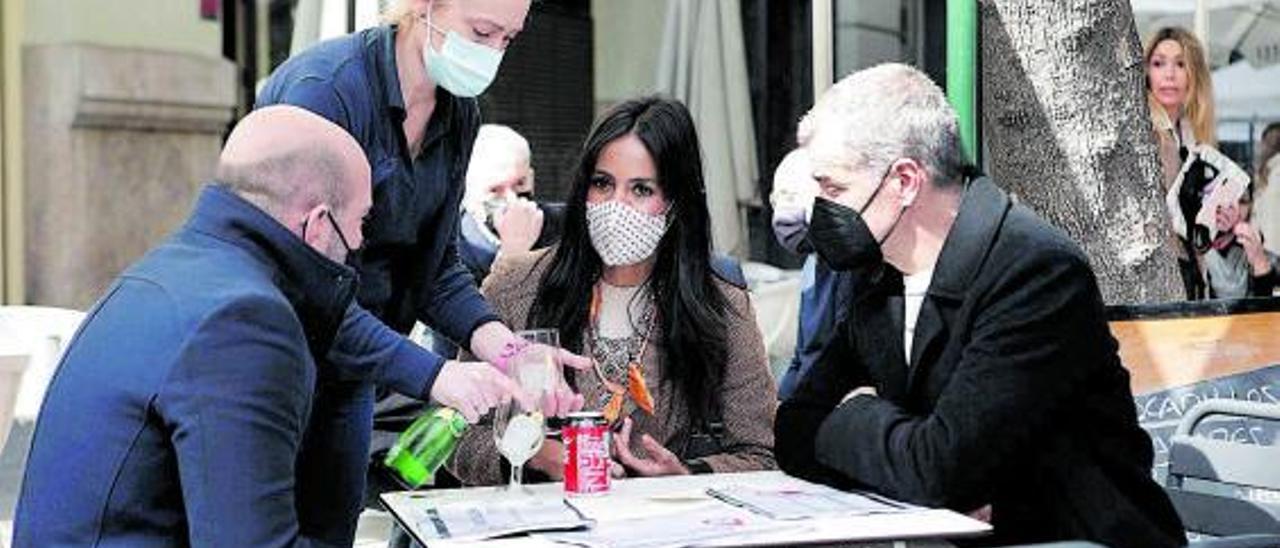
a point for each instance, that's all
(747, 394)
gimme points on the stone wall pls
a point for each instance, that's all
(116, 143)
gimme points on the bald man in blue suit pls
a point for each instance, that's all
(177, 413)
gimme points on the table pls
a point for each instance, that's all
(681, 495)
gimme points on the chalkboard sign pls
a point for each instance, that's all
(1180, 354)
(1160, 412)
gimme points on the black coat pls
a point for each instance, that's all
(1015, 396)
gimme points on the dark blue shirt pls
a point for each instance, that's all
(409, 265)
(477, 249)
(823, 298)
(177, 413)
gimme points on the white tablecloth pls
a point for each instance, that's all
(648, 497)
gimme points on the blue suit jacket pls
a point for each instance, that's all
(824, 296)
(177, 413)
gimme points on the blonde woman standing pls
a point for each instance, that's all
(1180, 96)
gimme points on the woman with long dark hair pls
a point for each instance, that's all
(681, 364)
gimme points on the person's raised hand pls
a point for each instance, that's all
(1251, 240)
(518, 226)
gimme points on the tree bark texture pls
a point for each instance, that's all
(1068, 132)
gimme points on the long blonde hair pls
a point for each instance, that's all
(1199, 107)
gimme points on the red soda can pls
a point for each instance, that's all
(586, 454)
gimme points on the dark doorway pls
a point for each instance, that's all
(545, 90)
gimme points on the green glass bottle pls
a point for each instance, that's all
(425, 445)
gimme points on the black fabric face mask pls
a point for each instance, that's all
(840, 236)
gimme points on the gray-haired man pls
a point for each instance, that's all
(976, 370)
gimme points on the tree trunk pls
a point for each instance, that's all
(1068, 132)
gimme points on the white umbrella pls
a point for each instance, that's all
(1246, 98)
(1243, 92)
(1237, 29)
(703, 63)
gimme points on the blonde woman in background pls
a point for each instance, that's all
(1180, 96)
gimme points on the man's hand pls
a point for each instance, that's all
(473, 388)
(661, 462)
(519, 226)
(1251, 239)
(860, 391)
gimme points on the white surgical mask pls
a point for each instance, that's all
(623, 235)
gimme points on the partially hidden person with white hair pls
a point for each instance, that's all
(976, 371)
(406, 90)
(822, 290)
(500, 214)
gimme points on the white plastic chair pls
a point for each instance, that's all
(41, 334)
(1224, 487)
(775, 293)
(12, 364)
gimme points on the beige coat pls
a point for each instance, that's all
(747, 394)
(1169, 142)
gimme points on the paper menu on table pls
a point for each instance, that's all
(796, 502)
(462, 520)
(617, 507)
(716, 525)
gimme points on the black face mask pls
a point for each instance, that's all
(342, 238)
(840, 236)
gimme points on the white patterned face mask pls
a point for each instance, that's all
(623, 235)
